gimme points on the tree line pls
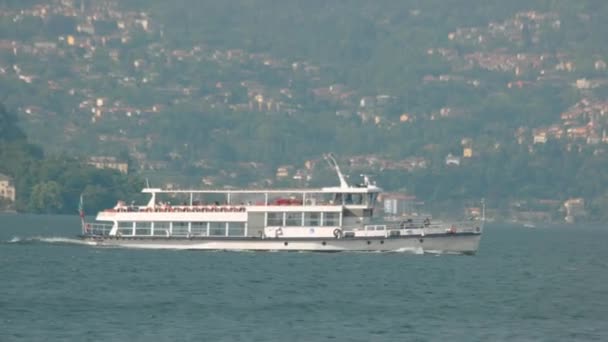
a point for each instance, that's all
(54, 183)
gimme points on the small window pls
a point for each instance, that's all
(372, 199)
(143, 228)
(275, 219)
(198, 228)
(217, 229)
(125, 228)
(161, 228)
(293, 219)
(180, 228)
(125, 224)
(312, 219)
(236, 229)
(330, 219)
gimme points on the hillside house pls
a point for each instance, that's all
(453, 160)
(575, 207)
(540, 137)
(7, 189)
(283, 171)
(109, 163)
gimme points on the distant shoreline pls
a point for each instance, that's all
(10, 211)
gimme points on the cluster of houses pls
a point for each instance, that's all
(584, 122)
(522, 26)
(102, 162)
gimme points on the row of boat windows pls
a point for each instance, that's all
(298, 219)
(181, 228)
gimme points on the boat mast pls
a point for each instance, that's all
(483, 212)
(332, 163)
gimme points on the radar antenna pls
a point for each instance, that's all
(332, 163)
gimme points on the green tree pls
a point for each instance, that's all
(46, 198)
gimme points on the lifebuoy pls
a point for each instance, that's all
(338, 233)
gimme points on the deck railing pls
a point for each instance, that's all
(427, 227)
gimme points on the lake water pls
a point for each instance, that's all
(543, 284)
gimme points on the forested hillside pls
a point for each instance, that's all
(451, 100)
(54, 184)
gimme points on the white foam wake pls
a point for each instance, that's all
(413, 250)
(47, 239)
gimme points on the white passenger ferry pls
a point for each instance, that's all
(327, 219)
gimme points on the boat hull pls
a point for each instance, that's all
(463, 243)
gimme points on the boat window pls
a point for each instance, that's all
(275, 219)
(217, 229)
(180, 229)
(125, 228)
(236, 229)
(312, 219)
(330, 219)
(293, 219)
(372, 199)
(198, 228)
(161, 228)
(143, 228)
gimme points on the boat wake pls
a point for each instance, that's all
(418, 251)
(46, 240)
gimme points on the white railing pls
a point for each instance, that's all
(426, 227)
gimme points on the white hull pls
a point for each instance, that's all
(437, 243)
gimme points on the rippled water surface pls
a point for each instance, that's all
(543, 284)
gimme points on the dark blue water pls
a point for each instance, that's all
(544, 284)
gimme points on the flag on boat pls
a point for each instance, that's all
(81, 207)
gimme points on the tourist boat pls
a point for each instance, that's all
(329, 219)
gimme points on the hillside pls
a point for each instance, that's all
(452, 101)
(54, 183)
